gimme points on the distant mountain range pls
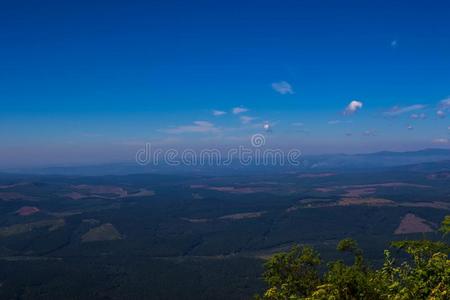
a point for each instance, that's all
(336, 162)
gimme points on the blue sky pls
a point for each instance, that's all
(92, 81)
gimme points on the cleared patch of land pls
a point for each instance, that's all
(234, 190)
(13, 185)
(411, 223)
(439, 175)
(28, 227)
(104, 192)
(359, 190)
(366, 201)
(104, 232)
(27, 210)
(195, 220)
(241, 216)
(12, 196)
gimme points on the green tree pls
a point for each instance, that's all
(292, 275)
(424, 275)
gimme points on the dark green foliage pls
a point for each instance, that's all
(292, 273)
(424, 275)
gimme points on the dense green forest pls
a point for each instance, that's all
(424, 273)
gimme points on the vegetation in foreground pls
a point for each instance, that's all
(423, 273)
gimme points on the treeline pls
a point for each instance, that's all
(421, 271)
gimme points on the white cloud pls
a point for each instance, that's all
(335, 122)
(440, 141)
(352, 107)
(397, 110)
(196, 127)
(239, 110)
(410, 127)
(267, 126)
(283, 87)
(217, 113)
(246, 119)
(420, 116)
(440, 113)
(369, 133)
(444, 104)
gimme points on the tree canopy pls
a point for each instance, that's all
(424, 274)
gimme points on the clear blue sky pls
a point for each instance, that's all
(91, 81)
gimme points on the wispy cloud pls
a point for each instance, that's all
(397, 110)
(335, 122)
(444, 104)
(298, 124)
(239, 110)
(440, 114)
(353, 107)
(440, 141)
(369, 133)
(196, 127)
(420, 116)
(217, 113)
(247, 119)
(443, 107)
(283, 87)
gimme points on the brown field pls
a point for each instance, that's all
(101, 189)
(195, 220)
(11, 196)
(440, 175)
(28, 227)
(366, 201)
(27, 210)
(324, 190)
(9, 186)
(412, 224)
(234, 190)
(241, 216)
(142, 193)
(104, 232)
(104, 192)
(359, 190)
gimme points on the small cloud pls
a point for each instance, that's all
(352, 107)
(283, 87)
(445, 104)
(239, 110)
(440, 141)
(410, 127)
(246, 119)
(335, 122)
(394, 44)
(369, 133)
(299, 124)
(267, 127)
(196, 127)
(217, 113)
(420, 116)
(440, 114)
(397, 110)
